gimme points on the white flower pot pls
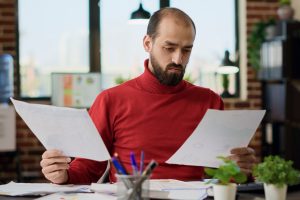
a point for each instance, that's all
(224, 192)
(273, 192)
(285, 12)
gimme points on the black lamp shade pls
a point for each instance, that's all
(226, 61)
(140, 13)
(227, 66)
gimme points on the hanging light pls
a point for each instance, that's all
(140, 16)
(227, 67)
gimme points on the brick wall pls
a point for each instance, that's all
(29, 148)
(7, 45)
(257, 10)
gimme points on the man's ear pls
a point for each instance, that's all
(147, 42)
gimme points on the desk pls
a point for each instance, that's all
(242, 196)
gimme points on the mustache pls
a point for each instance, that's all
(173, 65)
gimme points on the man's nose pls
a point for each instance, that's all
(177, 58)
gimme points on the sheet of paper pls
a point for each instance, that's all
(109, 189)
(175, 189)
(216, 134)
(172, 184)
(23, 189)
(78, 196)
(67, 129)
(162, 189)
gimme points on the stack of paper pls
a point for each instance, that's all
(163, 189)
(78, 196)
(23, 189)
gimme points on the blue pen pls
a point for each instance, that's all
(142, 162)
(133, 163)
(118, 166)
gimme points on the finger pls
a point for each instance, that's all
(47, 162)
(55, 167)
(242, 151)
(56, 177)
(52, 153)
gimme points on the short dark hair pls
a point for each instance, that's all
(157, 17)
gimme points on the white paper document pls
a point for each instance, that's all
(216, 134)
(175, 189)
(23, 189)
(162, 189)
(67, 129)
(78, 196)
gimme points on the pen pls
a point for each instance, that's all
(146, 173)
(133, 163)
(121, 171)
(149, 168)
(116, 155)
(142, 162)
(118, 166)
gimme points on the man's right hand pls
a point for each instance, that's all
(54, 166)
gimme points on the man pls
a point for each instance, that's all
(155, 112)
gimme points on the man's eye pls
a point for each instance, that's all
(170, 49)
(187, 50)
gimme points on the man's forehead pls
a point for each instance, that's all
(171, 32)
(174, 20)
(173, 24)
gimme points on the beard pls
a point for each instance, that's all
(164, 76)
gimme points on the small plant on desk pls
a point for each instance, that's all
(225, 174)
(276, 173)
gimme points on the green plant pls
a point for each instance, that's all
(256, 38)
(229, 171)
(284, 2)
(276, 170)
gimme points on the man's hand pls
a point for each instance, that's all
(244, 157)
(54, 166)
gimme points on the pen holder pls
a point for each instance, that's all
(132, 187)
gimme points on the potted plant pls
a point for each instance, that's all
(227, 175)
(276, 173)
(285, 11)
(258, 35)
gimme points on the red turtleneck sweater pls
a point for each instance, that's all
(143, 114)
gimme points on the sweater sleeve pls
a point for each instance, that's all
(84, 171)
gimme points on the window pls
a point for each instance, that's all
(53, 37)
(121, 43)
(215, 24)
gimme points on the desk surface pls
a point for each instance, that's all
(242, 196)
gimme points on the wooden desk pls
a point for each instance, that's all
(295, 195)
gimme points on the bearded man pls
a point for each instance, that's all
(155, 112)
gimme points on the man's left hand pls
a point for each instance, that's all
(244, 157)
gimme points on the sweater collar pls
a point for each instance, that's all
(149, 82)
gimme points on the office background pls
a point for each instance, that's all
(23, 165)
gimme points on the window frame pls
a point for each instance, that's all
(95, 45)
